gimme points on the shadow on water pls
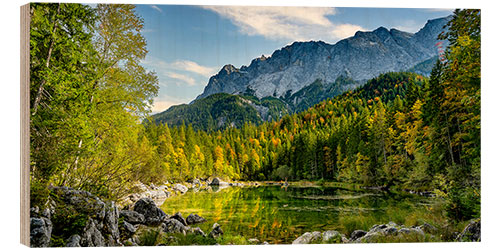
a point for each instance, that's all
(279, 215)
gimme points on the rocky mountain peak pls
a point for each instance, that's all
(228, 69)
(363, 56)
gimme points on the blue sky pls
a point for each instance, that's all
(188, 44)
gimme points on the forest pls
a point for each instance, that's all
(91, 127)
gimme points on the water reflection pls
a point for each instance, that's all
(279, 214)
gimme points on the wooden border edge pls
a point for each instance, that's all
(25, 120)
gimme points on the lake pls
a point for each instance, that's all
(279, 215)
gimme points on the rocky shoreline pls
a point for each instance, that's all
(76, 218)
(390, 232)
(160, 193)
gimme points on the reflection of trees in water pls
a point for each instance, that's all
(278, 216)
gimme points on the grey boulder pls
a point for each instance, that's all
(308, 237)
(40, 232)
(132, 217)
(73, 241)
(174, 226)
(178, 216)
(153, 215)
(194, 219)
(216, 231)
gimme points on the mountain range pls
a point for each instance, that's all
(302, 74)
(360, 57)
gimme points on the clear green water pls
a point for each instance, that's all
(279, 215)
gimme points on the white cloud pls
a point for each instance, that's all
(194, 67)
(181, 70)
(187, 79)
(292, 23)
(346, 30)
(163, 103)
(409, 26)
(182, 65)
(157, 8)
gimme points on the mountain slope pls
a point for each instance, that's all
(361, 57)
(317, 92)
(223, 110)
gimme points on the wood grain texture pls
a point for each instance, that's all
(25, 120)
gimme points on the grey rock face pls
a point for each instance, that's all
(129, 228)
(110, 223)
(132, 217)
(74, 241)
(92, 237)
(153, 215)
(194, 219)
(363, 56)
(472, 232)
(40, 232)
(102, 218)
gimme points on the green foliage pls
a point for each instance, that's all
(190, 239)
(398, 130)
(66, 222)
(221, 110)
(88, 94)
(463, 203)
(150, 237)
(232, 240)
(281, 173)
(38, 193)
